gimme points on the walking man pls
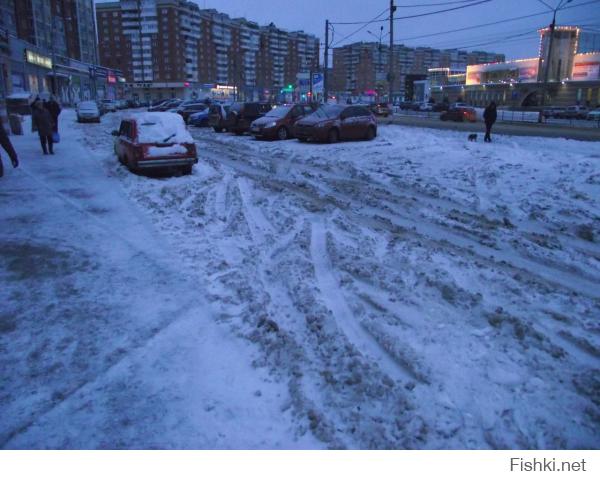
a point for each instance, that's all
(489, 117)
(41, 120)
(5, 142)
(54, 108)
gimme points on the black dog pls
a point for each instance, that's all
(472, 137)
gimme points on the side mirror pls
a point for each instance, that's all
(115, 133)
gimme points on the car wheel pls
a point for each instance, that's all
(282, 133)
(333, 136)
(371, 133)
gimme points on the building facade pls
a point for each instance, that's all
(169, 48)
(362, 67)
(573, 75)
(50, 46)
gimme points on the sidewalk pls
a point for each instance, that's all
(106, 340)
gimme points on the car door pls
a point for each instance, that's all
(362, 122)
(347, 121)
(295, 114)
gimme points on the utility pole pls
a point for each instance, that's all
(391, 59)
(326, 63)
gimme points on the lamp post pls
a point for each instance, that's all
(548, 59)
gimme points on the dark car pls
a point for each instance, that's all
(187, 109)
(166, 105)
(459, 114)
(381, 109)
(279, 122)
(241, 115)
(337, 122)
(217, 116)
(405, 105)
(440, 107)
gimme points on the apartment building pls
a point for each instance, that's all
(173, 48)
(363, 67)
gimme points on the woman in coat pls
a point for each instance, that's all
(41, 120)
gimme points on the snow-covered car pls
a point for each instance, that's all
(88, 111)
(155, 140)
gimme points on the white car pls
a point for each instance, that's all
(594, 115)
(88, 111)
(109, 105)
(426, 107)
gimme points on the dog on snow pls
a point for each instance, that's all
(472, 137)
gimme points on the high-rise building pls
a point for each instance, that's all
(363, 67)
(170, 47)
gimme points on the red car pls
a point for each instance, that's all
(156, 140)
(278, 124)
(459, 114)
(331, 123)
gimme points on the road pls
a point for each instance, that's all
(518, 129)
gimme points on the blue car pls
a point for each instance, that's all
(199, 119)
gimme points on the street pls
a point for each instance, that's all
(416, 291)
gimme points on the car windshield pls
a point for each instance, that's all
(87, 106)
(328, 111)
(279, 112)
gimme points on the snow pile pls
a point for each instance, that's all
(162, 127)
(170, 150)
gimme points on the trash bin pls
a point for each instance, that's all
(16, 124)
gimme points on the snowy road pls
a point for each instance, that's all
(418, 291)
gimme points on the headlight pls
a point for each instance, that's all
(270, 124)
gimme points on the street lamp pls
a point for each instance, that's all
(379, 48)
(560, 5)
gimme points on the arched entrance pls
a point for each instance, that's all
(530, 100)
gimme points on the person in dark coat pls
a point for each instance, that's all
(489, 117)
(41, 120)
(54, 108)
(5, 142)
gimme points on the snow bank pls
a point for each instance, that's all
(162, 151)
(162, 127)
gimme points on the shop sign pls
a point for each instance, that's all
(37, 59)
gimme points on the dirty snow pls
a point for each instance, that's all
(417, 291)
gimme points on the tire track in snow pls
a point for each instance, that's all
(334, 300)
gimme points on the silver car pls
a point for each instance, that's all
(88, 111)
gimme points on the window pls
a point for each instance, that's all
(125, 129)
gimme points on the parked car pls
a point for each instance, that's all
(186, 109)
(426, 107)
(459, 105)
(405, 105)
(88, 111)
(165, 105)
(459, 114)
(440, 107)
(337, 122)
(381, 109)
(199, 119)
(217, 116)
(241, 115)
(278, 123)
(574, 112)
(552, 112)
(594, 115)
(155, 140)
(109, 105)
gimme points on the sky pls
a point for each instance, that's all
(516, 39)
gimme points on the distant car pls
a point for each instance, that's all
(459, 105)
(109, 105)
(278, 124)
(426, 107)
(552, 112)
(241, 115)
(217, 116)
(459, 114)
(155, 140)
(166, 105)
(574, 112)
(199, 119)
(187, 109)
(440, 107)
(405, 105)
(594, 115)
(88, 111)
(381, 109)
(331, 123)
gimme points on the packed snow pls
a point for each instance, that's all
(169, 150)
(416, 291)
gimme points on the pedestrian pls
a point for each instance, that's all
(489, 117)
(5, 142)
(54, 108)
(41, 120)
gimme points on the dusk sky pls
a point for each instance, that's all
(516, 39)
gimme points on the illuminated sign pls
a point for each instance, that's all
(111, 79)
(37, 59)
(586, 67)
